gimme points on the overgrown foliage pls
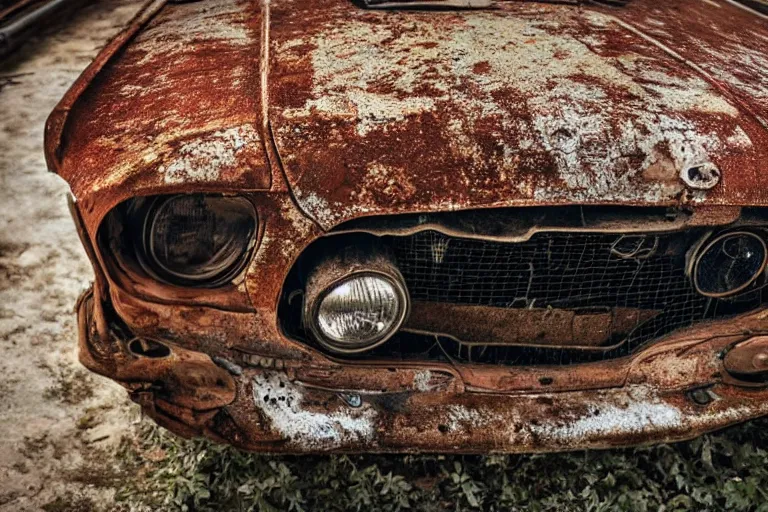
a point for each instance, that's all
(726, 471)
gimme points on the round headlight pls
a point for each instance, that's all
(360, 312)
(730, 264)
(198, 240)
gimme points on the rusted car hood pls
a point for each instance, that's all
(172, 104)
(390, 112)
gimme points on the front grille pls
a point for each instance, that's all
(561, 271)
(628, 290)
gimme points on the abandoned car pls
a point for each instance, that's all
(470, 227)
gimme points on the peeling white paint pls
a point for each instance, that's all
(643, 412)
(609, 414)
(329, 214)
(282, 402)
(210, 21)
(565, 89)
(461, 418)
(422, 381)
(602, 416)
(205, 158)
(317, 207)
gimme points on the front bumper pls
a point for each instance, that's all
(674, 390)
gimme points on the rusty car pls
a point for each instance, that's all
(435, 226)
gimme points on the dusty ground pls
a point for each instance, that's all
(59, 425)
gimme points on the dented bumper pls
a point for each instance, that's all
(307, 123)
(674, 390)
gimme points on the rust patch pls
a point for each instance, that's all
(178, 377)
(482, 68)
(178, 106)
(382, 113)
(487, 326)
(591, 111)
(749, 359)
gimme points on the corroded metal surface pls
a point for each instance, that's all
(550, 327)
(320, 112)
(177, 107)
(749, 358)
(639, 400)
(380, 112)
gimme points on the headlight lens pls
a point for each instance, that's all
(197, 240)
(730, 264)
(360, 312)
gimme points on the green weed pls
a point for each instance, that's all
(725, 471)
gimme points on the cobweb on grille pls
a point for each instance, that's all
(566, 271)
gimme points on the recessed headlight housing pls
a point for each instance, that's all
(730, 264)
(191, 240)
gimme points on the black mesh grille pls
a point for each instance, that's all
(564, 270)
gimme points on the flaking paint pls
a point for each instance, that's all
(382, 113)
(527, 104)
(282, 403)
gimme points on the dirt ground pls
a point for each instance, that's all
(59, 425)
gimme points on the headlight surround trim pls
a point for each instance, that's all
(146, 246)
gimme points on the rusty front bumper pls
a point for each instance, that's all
(674, 390)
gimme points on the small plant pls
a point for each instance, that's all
(725, 471)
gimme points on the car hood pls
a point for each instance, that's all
(171, 105)
(381, 112)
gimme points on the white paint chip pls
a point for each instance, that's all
(204, 159)
(282, 402)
